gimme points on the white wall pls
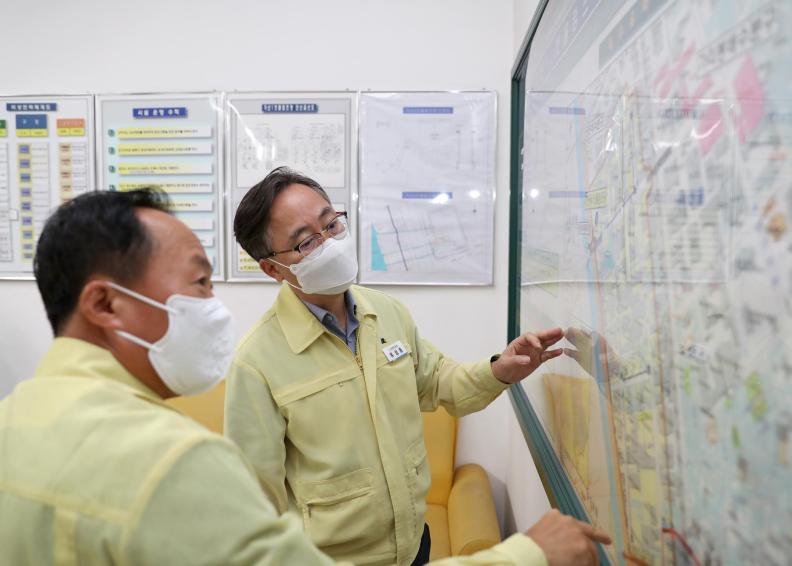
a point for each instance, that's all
(162, 45)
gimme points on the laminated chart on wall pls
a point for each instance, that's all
(173, 142)
(312, 133)
(46, 158)
(427, 186)
(655, 214)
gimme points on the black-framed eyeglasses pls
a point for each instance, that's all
(337, 228)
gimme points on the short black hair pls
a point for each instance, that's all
(252, 218)
(97, 232)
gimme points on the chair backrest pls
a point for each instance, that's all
(440, 430)
(206, 408)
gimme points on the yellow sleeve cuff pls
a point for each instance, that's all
(487, 380)
(522, 551)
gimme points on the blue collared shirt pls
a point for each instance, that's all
(331, 322)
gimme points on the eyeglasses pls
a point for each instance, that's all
(337, 228)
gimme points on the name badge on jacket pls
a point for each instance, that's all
(394, 351)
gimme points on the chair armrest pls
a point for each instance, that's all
(472, 520)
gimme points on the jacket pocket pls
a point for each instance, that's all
(418, 480)
(335, 511)
(285, 395)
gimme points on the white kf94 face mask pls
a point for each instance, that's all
(328, 270)
(196, 351)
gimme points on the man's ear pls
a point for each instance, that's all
(95, 305)
(271, 269)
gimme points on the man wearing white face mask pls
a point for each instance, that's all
(325, 393)
(95, 468)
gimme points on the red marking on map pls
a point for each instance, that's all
(709, 128)
(749, 97)
(683, 542)
(674, 73)
(689, 102)
(661, 75)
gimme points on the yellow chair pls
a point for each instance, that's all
(460, 510)
(206, 408)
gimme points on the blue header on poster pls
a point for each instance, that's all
(31, 106)
(160, 112)
(428, 110)
(430, 195)
(290, 108)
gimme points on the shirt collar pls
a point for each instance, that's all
(300, 327)
(351, 309)
(70, 357)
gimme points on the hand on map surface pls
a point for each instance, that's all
(592, 351)
(525, 354)
(565, 540)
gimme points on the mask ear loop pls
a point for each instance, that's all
(148, 301)
(138, 341)
(277, 263)
(143, 298)
(284, 267)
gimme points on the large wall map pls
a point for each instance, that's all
(656, 201)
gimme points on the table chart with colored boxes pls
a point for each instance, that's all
(46, 158)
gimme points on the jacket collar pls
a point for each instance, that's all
(300, 327)
(70, 357)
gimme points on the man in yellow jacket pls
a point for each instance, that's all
(325, 392)
(95, 469)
